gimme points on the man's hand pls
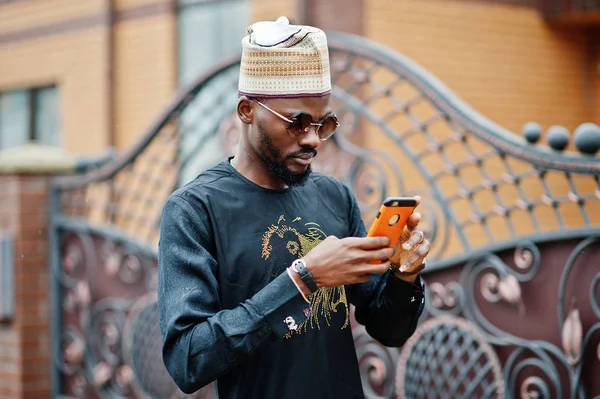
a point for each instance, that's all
(411, 250)
(335, 262)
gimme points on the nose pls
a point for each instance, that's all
(311, 139)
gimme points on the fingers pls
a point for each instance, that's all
(382, 254)
(368, 269)
(367, 243)
(416, 237)
(413, 220)
(416, 258)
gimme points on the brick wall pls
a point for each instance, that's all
(145, 74)
(128, 4)
(69, 44)
(10, 351)
(20, 15)
(327, 16)
(75, 61)
(266, 10)
(503, 60)
(25, 342)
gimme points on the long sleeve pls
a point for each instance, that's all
(387, 306)
(201, 341)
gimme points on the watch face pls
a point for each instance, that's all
(302, 266)
(299, 265)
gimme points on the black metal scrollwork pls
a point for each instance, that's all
(495, 207)
(448, 358)
(377, 364)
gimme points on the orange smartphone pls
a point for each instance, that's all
(392, 218)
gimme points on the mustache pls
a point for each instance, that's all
(302, 151)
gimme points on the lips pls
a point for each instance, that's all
(304, 159)
(305, 156)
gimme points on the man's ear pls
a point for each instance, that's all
(245, 110)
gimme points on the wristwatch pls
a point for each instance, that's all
(299, 266)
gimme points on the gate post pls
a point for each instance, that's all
(25, 277)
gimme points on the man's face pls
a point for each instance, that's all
(288, 158)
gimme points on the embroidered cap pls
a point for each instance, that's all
(283, 60)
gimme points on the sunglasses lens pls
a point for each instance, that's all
(300, 124)
(329, 126)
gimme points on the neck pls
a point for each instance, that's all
(254, 169)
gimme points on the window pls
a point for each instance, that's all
(29, 115)
(209, 30)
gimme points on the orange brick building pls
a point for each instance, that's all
(106, 68)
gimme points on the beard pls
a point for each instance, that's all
(275, 162)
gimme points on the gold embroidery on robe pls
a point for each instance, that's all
(323, 302)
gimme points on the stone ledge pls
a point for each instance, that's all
(33, 158)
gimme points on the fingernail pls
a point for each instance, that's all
(405, 246)
(403, 268)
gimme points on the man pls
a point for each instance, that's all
(260, 259)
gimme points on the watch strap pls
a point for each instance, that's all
(299, 266)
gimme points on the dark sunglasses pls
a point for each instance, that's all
(300, 123)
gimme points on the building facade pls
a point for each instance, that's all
(90, 75)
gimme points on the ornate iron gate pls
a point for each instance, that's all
(513, 281)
